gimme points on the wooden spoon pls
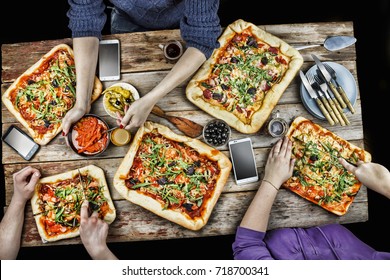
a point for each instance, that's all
(188, 127)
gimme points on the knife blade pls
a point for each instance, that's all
(314, 96)
(328, 79)
(82, 184)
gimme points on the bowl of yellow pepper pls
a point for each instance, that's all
(117, 97)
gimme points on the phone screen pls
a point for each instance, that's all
(20, 142)
(244, 163)
(109, 60)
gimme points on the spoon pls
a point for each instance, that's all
(333, 43)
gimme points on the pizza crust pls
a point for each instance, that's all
(150, 203)
(46, 138)
(194, 93)
(93, 171)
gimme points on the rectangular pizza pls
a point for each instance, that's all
(57, 201)
(318, 175)
(245, 77)
(174, 176)
(41, 96)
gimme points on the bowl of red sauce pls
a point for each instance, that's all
(88, 136)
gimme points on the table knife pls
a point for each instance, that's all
(314, 96)
(328, 79)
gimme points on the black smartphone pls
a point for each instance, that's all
(243, 159)
(22, 143)
(109, 60)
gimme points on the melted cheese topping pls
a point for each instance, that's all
(318, 176)
(173, 173)
(245, 70)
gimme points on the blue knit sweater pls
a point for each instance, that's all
(197, 19)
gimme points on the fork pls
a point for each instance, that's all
(316, 86)
(333, 74)
(333, 101)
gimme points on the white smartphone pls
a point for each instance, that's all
(243, 159)
(18, 140)
(109, 60)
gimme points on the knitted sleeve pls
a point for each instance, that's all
(86, 17)
(200, 26)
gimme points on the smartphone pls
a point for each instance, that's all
(18, 140)
(109, 60)
(243, 159)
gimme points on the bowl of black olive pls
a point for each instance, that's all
(216, 132)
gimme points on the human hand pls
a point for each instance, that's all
(72, 116)
(372, 175)
(93, 233)
(279, 166)
(24, 183)
(136, 114)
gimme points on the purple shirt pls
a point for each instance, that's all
(329, 242)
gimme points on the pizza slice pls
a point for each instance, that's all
(245, 77)
(44, 93)
(57, 201)
(318, 176)
(174, 176)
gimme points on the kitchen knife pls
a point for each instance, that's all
(314, 96)
(328, 79)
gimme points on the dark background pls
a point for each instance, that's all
(43, 20)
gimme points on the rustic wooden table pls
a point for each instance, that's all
(144, 66)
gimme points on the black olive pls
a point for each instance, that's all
(47, 123)
(217, 96)
(264, 60)
(55, 83)
(162, 181)
(133, 181)
(128, 100)
(314, 157)
(53, 102)
(296, 173)
(188, 206)
(67, 88)
(118, 102)
(190, 170)
(172, 163)
(251, 91)
(94, 207)
(252, 42)
(30, 82)
(74, 83)
(224, 87)
(234, 60)
(197, 163)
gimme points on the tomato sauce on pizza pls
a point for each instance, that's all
(245, 70)
(173, 173)
(318, 175)
(59, 203)
(44, 96)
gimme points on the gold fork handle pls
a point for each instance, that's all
(344, 120)
(324, 112)
(330, 109)
(346, 99)
(337, 95)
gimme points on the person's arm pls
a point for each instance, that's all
(93, 233)
(372, 175)
(278, 169)
(139, 110)
(12, 223)
(85, 54)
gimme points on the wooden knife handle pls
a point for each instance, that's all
(323, 110)
(330, 109)
(346, 99)
(337, 95)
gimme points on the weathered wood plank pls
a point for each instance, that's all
(134, 223)
(140, 51)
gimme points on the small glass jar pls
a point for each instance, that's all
(120, 137)
(277, 127)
